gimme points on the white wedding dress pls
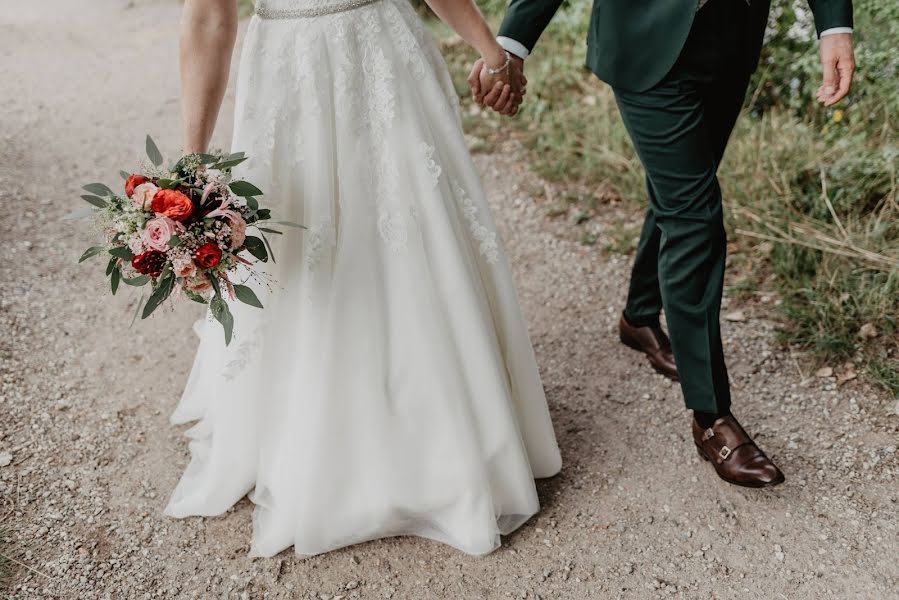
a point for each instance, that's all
(389, 386)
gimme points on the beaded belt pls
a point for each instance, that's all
(311, 9)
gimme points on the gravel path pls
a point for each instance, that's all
(86, 463)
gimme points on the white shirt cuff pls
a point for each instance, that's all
(513, 47)
(830, 31)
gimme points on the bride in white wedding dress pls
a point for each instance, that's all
(389, 386)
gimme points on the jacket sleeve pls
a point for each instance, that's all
(525, 20)
(831, 13)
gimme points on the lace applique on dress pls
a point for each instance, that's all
(488, 246)
(243, 354)
(394, 230)
(434, 169)
(410, 45)
(316, 238)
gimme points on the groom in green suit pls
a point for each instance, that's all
(679, 70)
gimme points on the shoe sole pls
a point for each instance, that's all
(705, 457)
(657, 369)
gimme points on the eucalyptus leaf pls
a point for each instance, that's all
(140, 302)
(168, 184)
(174, 241)
(160, 293)
(245, 188)
(246, 295)
(154, 155)
(92, 251)
(111, 265)
(206, 159)
(123, 252)
(99, 189)
(125, 175)
(228, 164)
(115, 279)
(136, 281)
(252, 202)
(195, 297)
(96, 201)
(81, 213)
(290, 224)
(215, 285)
(256, 247)
(223, 315)
(271, 252)
(264, 214)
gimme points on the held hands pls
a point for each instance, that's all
(838, 64)
(504, 90)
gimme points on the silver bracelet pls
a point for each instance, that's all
(505, 66)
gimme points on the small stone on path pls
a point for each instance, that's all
(824, 372)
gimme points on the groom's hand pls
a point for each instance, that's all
(502, 92)
(838, 64)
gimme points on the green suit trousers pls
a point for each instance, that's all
(680, 129)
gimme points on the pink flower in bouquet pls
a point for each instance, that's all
(142, 195)
(184, 267)
(157, 233)
(198, 284)
(133, 182)
(235, 221)
(222, 209)
(238, 227)
(210, 187)
(136, 245)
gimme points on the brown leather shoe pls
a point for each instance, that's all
(652, 342)
(734, 455)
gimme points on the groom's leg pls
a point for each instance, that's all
(644, 297)
(680, 128)
(669, 129)
(723, 102)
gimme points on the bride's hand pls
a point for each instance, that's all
(503, 90)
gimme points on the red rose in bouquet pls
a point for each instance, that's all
(132, 182)
(173, 204)
(208, 255)
(150, 262)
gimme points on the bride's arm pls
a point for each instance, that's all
(208, 33)
(465, 19)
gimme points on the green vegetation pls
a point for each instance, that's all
(811, 192)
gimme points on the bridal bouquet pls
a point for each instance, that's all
(182, 230)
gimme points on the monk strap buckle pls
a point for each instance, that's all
(724, 452)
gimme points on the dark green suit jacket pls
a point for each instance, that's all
(632, 44)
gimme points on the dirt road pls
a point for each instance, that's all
(88, 458)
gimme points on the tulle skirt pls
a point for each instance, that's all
(389, 386)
